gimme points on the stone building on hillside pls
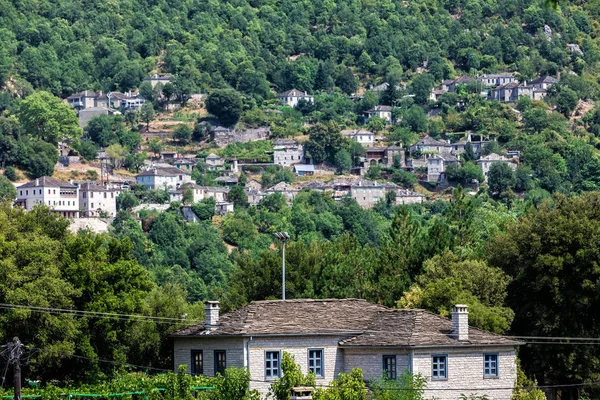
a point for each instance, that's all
(287, 152)
(96, 200)
(332, 336)
(61, 197)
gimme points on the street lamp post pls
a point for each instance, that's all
(282, 237)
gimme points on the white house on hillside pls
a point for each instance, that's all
(331, 336)
(61, 197)
(485, 163)
(163, 178)
(292, 97)
(383, 112)
(95, 200)
(362, 136)
(287, 152)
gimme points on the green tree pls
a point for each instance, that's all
(342, 161)
(156, 146)
(416, 119)
(126, 201)
(500, 178)
(469, 154)
(7, 190)
(45, 117)
(421, 86)
(550, 253)
(404, 387)
(11, 174)
(291, 376)
(147, 113)
(226, 105)
(347, 82)
(350, 386)
(100, 130)
(183, 133)
(205, 209)
(566, 101)
(88, 150)
(237, 195)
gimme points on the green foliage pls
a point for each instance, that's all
(126, 201)
(345, 387)
(447, 280)
(11, 173)
(45, 117)
(7, 190)
(205, 209)
(343, 161)
(257, 150)
(405, 387)
(147, 113)
(291, 376)
(238, 196)
(88, 150)
(226, 105)
(183, 133)
(553, 248)
(465, 174)
(500, 178)
(325, 140)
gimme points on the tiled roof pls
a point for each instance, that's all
(90, 187)
(543, 79)
(293, 93)
(46, 181)
(172, 171)
(360, 322)
(429, 141)
(377, 109)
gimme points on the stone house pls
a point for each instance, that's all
(253, 184)
(214, 162)
(543, 82)
(185, 164)
(384, 155)
(405, 196)
(477, 146)
(96, 199)
(485, 163)
(512, 92)
(364, 137)
(86, 114)
(156, 79)
(292, 97)
(383, 112)
(431, 145)
(287, 190)
(331, 336)
(437, 165)
(61, 197)
(82, 100)
(200, 193)
(450, 85)
(223, 208)
(304, 169)
(497, 79)
(163, 178)
(287, 152)
(254, 195)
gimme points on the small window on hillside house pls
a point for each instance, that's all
(220, 362)
(271, 364)
(389, 367)
(197, 362)
(490, 365)
(439, 367)
(315, 361)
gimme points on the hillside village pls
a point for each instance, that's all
(300, 200)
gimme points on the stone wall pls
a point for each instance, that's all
(249, 135)
(371, 361)
(465, 373)
(234, 352)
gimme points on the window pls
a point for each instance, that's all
(54, 191)
(84, 194)
(439, 367)
(91, 195)
(220, 362)
(315, 361)
(490, 365)
(197, 362)
(20, 193)
(389, 367)
(104, 194)
(272, 364)
(27, 193)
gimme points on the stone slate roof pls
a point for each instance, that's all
(293, 93)
(90, 187)
(429, 141)
(377, 109)
(362, 324)
(172, 171)
(46, 181)
(85, 93)
(543, 79)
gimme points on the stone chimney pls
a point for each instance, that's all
(211, 315)
(37, 182)
(460, 322)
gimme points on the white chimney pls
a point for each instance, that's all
(460, 321)
(211, 315)
(37, 182)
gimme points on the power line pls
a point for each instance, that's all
(95, 314)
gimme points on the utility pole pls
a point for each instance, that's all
(283, 237)
(12, 354)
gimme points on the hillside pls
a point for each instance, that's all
(67, 45)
